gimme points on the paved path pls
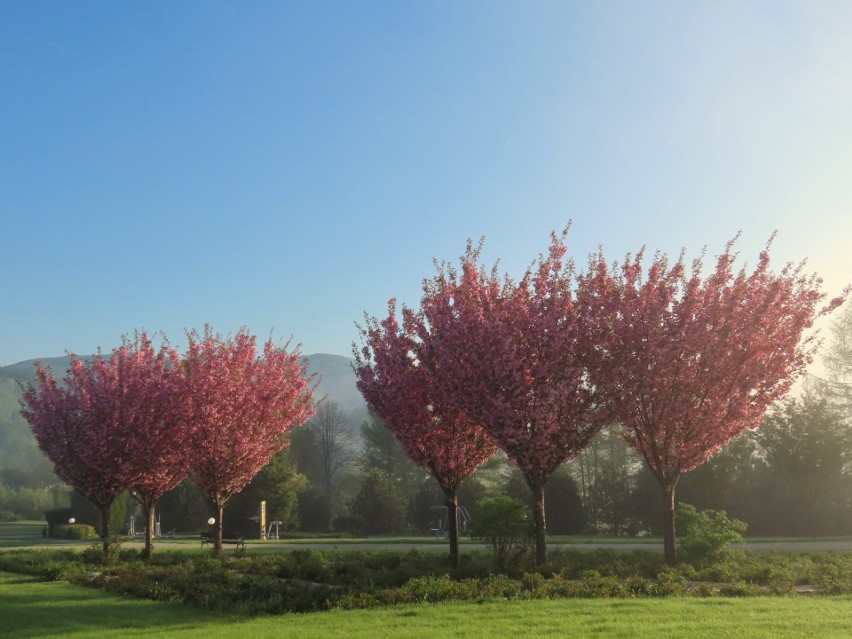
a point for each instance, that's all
(786, 546)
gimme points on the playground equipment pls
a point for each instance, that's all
(131, 531)
(464, 522)
(272, 531)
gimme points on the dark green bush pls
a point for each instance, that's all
(58, 516)
(75, 531)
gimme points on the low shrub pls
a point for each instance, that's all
(833, 578)
(706, 535)
(430, 589)
(670, 582)
(597, 586)
(96, 554)
(498, 587)
(75, 531)
(304, 581)
(504, 524)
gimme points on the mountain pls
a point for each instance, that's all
(25, 371)
(18, 449)
(337, 381)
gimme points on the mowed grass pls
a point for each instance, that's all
(19, 529)
(32, 608)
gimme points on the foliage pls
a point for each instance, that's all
(143, 385)
(239, 406)
(724, 480)
(606, 471)
(806, 447)
(353, 525)
(31, 502)
(121, 412)
(397, 369)
(184, 508)
(74, 531)
(82, 410)
(510, 356)
(505, 525)
(334, 445)
(85, 512)
(278, 484)
(308, 580)
(382, 451)
(706, 535)
(314, 510)
(429, 505)
(304, 451)
(687, 362)
(394, 375)
(380, 504)
(838, 361)
(563, 506)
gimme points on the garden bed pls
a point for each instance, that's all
(304, 581)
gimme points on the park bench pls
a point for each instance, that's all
(209, 538)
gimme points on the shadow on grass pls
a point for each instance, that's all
(33, 608)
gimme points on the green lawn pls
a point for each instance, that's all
(31, 608)
(17, 529)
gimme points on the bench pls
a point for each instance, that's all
(210, 538)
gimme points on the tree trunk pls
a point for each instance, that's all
(106, 512)
(148, 506)
(540, 523)
(217, 544)
(453, 526)
(669, 546)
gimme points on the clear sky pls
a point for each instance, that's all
(288, 166)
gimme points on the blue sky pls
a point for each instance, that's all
(288, 166)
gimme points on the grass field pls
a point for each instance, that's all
(31, 608)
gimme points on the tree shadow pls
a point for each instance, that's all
(30, 607)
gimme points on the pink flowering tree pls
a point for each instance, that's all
(92, 426)
(83, 448)
(394, 371)
(147, 385)
(511, 356)
(688, 362)
(239, 407)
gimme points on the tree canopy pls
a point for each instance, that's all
(686, 362)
